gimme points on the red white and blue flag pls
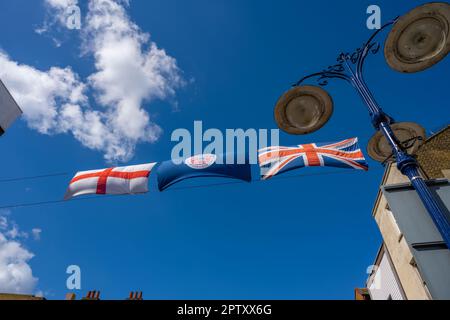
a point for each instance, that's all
(344, 154)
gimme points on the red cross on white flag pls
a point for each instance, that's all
(119, 180)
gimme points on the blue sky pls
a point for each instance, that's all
(304, 238)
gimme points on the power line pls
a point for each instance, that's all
(272, 179)
(49, 175)
(42, 203)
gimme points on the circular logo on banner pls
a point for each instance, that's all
(201, 161)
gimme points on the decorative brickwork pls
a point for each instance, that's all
(434, 154)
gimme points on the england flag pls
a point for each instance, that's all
(119, 180)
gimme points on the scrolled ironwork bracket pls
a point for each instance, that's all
(350, 67)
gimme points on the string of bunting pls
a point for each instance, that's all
(272, 161)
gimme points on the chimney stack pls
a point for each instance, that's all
(70, 296)
(135, 295)
(92, 295)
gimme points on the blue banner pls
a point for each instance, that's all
(203, 165)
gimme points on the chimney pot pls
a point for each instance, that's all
(70, 296)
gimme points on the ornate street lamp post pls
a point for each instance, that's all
(417, 41)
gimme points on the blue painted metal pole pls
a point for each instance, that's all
(409, 167)
(349, 67)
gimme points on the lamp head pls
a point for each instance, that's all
(420, 38)
(379, 148)
(303, 109)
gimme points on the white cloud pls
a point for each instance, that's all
(54, 101)
(3, 223)
(41, 93)
(59, 7)
(58, 16)
(10, 229)
(130, 71)
(16, 233)
(128, 74)
(36, 232)
(16, 275)
(61, 4)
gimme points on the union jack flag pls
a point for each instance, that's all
(343, 154)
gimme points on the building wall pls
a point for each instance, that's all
(434, 159)
(383, 284)
(395, 243)
(11, 296)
